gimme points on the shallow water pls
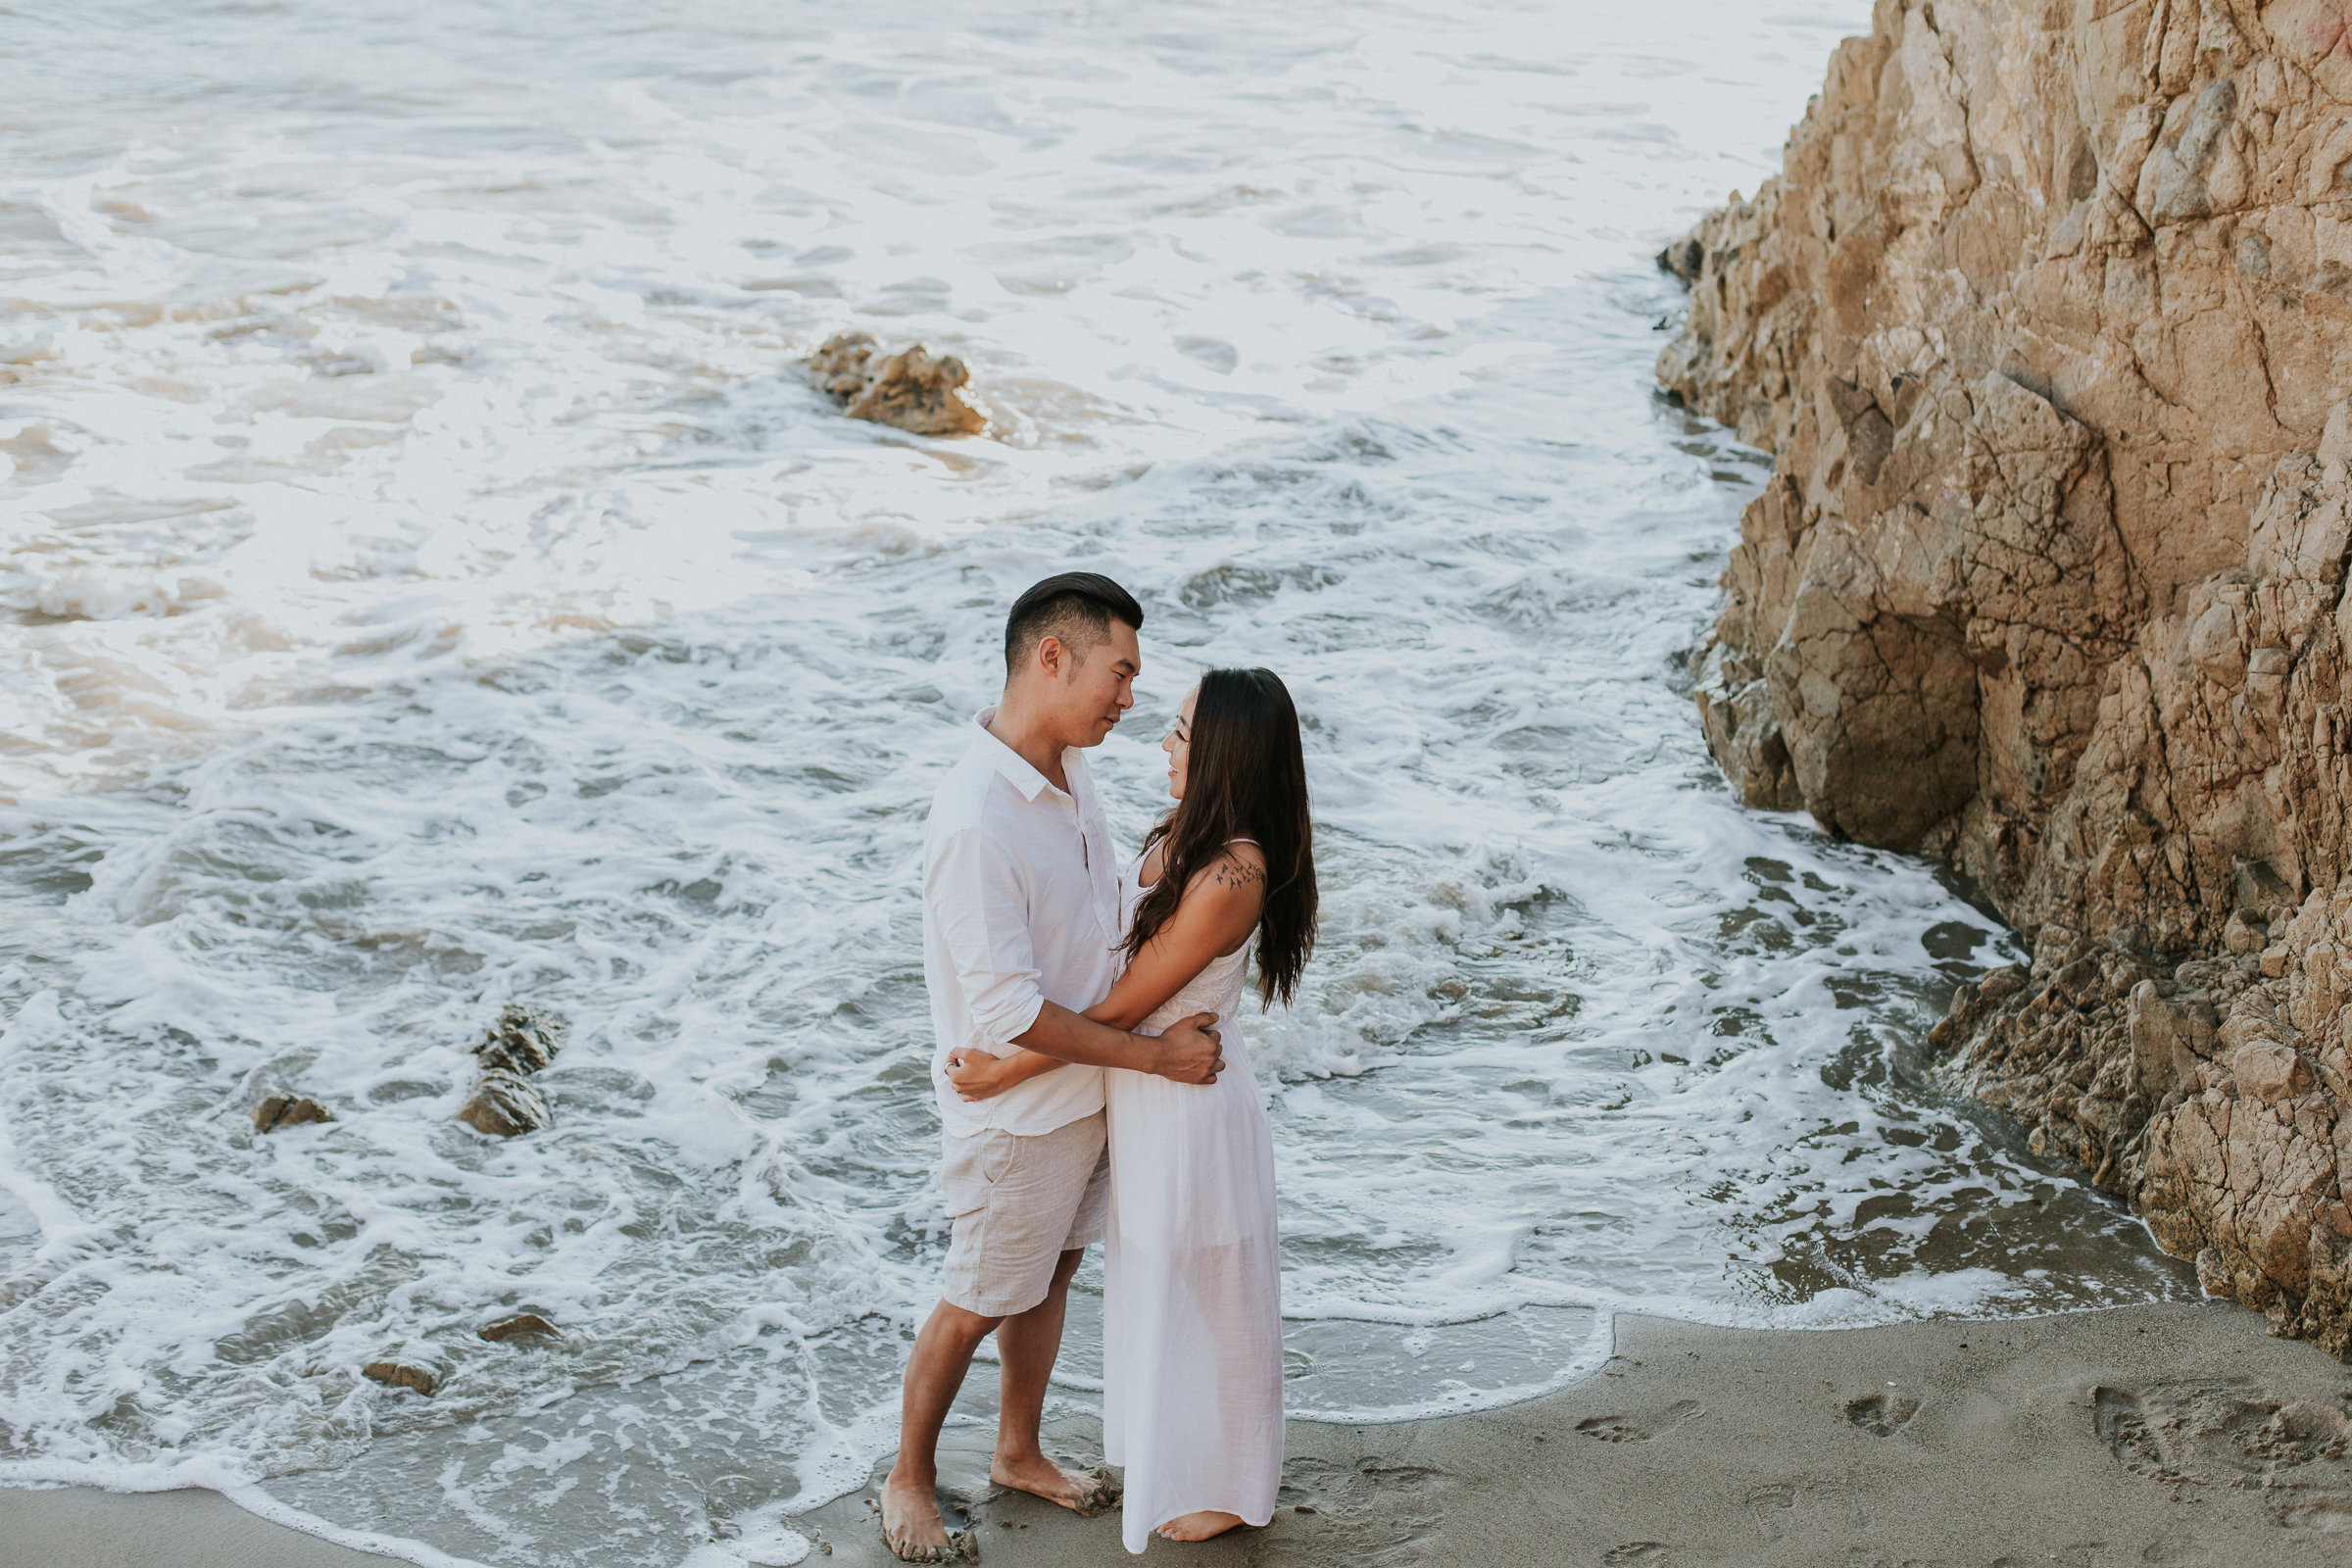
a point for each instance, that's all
(431, 584)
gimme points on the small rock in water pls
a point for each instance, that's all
(505, 1105)
(521, 1326)
(913, 390)
(522, 1041)
(288, 1111)
(404, 1375)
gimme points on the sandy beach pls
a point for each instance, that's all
(2168, 1433)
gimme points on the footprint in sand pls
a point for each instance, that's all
(1639, 1429)
(1772, 1506)
(1373, 1512)
(1649, 1553)
(1882, 1416)
(2235, 1433)
(1804, 1509)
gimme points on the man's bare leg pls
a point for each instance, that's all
(942, 1354)
(1028, 1344)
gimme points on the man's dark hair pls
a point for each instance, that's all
(1077, 607)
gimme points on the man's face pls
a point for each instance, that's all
(1092, 692)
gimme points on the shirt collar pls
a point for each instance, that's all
(1015, 767)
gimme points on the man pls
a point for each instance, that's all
(1020, 932)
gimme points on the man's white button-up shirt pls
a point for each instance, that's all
(1021, 908)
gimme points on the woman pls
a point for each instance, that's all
(1191, 1311)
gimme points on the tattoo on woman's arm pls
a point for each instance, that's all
(1240, 873)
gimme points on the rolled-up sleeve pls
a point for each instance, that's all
(974, 893)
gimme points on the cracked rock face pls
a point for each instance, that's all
(2049, 320)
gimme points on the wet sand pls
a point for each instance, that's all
(2175, 1434)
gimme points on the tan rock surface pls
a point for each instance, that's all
(913, 390)
(2048, 319)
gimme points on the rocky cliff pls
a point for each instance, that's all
(2048, 319)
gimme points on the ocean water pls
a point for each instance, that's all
(430, 583)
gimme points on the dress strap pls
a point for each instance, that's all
(1251, 842)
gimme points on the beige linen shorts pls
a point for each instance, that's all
(1019, 1205)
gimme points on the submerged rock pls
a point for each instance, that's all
(521, 1326)
(2047, 326)
(505, 1105)
(288, 1111)
(404, 1374)
(911, 389)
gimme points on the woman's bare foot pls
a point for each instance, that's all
(1040, 1477)
(911, 1525)
(1196, 1526)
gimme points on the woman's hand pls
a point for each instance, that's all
(981, 1075)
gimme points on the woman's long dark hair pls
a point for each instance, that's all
(1247, 780)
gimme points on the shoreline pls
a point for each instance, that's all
(2178, 1433)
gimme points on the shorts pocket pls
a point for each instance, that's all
(998, 1155)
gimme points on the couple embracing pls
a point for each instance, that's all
(1093, 1084)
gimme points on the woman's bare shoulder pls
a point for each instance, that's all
(1239, 869)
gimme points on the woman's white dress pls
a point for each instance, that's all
(1192, 1308)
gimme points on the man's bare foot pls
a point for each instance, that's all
(911, 1524)
(1197, 1526)
(1040, 1477)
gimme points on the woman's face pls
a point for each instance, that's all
(1179, 745)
